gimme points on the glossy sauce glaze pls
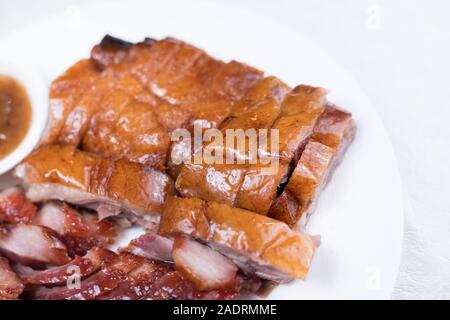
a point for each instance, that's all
(15, 114)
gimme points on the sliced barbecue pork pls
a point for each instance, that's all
(64, 173)
(82, 267)
(98, 284)
(151, 246)
(15, 207)
(79, 232)
(257, 244)
(172, 286)
(334, 132)
(139, 281)
(10, 284)
(34, 246)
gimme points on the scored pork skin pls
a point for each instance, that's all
(81, 178)
(333, 134)
(257, 244)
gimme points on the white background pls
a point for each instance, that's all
(399, 53)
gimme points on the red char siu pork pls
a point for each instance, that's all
(151, 246)
(15, 207)
(257, 244)
(95, 259)
(110, 186)
(79, 232)
(11, 285)
(332, 136)
(34, 246)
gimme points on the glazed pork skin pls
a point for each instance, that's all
(255, 243)
(11, 285)
(333, 134)
(64, 173)
(258, 109)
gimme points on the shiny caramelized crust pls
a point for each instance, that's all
(332, 135)
(299, 113)
(127, 98)
(65, 92)
(258, 109)
(11, 285)
(306, 181)
(256, 243)
(119, 181)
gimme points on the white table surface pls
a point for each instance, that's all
(399, 51)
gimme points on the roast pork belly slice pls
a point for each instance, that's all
(15, 207)
(333, 133)
(204, 267)
(257, 244)
(335, 129)
(91, 262)
(34, 246)
(300, 110)
(79, 232)
(64, 173)
(254, 186)
(65, 93)
(11, 285)
(306, 182)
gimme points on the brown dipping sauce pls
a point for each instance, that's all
(15, 114)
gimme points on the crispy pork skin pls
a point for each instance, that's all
(257, 244)
(151, 246)
(334, 132)
(15, 207)
(204, 267)
(65, 93)
(93, 261)
(79, 232)
(126, 99)
(258, 109)
(34, 246)
(64, 173)
(254, 186)
(10, 284)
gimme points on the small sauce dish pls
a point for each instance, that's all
(23, 88)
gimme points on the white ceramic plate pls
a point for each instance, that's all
(360, 214)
